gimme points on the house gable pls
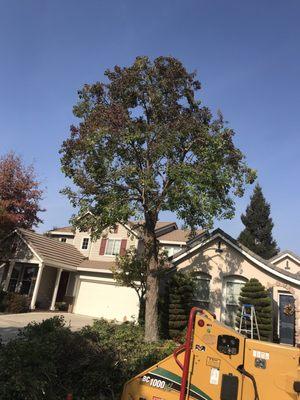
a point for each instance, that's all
(15, 247)
(287, 261)
(235, 257)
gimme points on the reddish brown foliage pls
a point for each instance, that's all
(20, 195)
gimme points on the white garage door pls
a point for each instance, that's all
(102, 300)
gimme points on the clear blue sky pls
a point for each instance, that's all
(247, 55)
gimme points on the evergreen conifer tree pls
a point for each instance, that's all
(181, 294)
(255, 293)
(257, 235)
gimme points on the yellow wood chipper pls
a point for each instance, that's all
(217, 363)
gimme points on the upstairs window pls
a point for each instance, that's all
(63, 239)
(113, 247)
(171, 250)
(85, 243)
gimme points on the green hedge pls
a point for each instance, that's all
(47, 360)
(13, 303)
(256, 294)
(181, 294)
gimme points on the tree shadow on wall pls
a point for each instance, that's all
(217, 267)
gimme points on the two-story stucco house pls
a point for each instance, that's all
(67, 266)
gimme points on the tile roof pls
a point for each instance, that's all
(52, 251)
(163, 224)
(219, 232)
(284, 253)
(70, 229)
(67, 229)
(96, 265)
(178, 235)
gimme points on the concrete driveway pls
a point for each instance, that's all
(11, 323)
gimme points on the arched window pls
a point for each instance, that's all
(232, 286)
(202, 292)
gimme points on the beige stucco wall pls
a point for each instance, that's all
(231, 262)
(288, 264)
(94, 247)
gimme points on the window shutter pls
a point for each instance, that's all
(102, 247)
(123, 247)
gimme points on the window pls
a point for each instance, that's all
(231, 292)
(28, 280)
(113, 247)
(171, 250)
(202, 292)
(63, 239)
(85, 243)
(15, 278)
(23, 279)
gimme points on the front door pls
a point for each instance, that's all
(287, 319)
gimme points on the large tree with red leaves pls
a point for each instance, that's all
(20, 195)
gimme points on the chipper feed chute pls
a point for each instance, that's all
(217, 363)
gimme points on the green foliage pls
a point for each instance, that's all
(47, 360)
(131, 270)
(61, 306)
(257, 235)
(127, 342)
(181, 294)
(144, 144)
(15, 303)
(256, 294)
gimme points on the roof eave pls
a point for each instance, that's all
(228, 239)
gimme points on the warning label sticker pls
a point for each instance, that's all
(213, 362)
(214, 376)
(261, 354)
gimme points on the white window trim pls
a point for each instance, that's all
(226, 279)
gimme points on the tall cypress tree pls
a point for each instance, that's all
(181, 293)
(255, 293)
(257, 235)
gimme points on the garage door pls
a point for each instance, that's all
(108, 301)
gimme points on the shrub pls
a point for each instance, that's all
(256, 294)
(61, 306)
(15, 303)
(126, 341)
(48, 360)
(181, 295)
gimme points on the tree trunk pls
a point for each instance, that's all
(152, 287)
(151, 314)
